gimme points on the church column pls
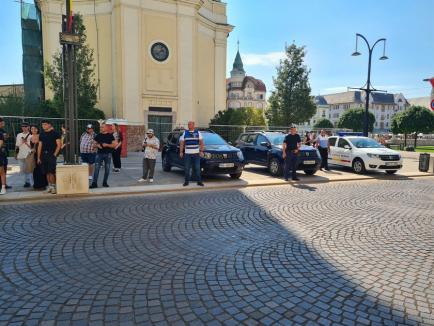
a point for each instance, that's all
(186, 56)
(220, 71)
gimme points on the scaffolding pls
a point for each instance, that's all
(31, 31)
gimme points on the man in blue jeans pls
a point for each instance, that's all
(291, 148)
(191, 150)
(105, 142)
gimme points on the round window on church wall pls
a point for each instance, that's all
(159, 51)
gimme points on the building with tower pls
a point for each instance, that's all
(243, 90)
(158, 62)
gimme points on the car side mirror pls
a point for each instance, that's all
(265, 144)
(347, 147)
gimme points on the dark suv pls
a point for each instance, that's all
(219, 156)
(265, 148)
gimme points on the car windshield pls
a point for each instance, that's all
(365, 143)
(212, 139)
(276, 139)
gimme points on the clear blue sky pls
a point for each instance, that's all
(326, 28)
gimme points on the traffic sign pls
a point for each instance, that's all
(432, 104)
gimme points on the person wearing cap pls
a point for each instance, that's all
(151, 145)
(88, 149)
(290, 151)
(23, 151)
(48, 149)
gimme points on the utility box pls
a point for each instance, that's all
(424, 159)
(72, 179)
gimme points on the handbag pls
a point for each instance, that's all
(29, 162)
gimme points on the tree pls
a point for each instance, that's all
(87, 86)
(239, 117)
(354, 119)
(291, 102)
(415, 119)
(323, 123)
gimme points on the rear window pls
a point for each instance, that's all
(332, 141)
(251, 139)
(243, 138)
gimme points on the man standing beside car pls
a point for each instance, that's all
(324, 149)
(291, 148)
(191, 142)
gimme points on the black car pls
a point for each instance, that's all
(265, 148)
(219, 156)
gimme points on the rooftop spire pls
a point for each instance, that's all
(238, 63)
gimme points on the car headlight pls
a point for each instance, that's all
(207, 155)
(240, 156)
(373, 155)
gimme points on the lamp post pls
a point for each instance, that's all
(369, 87)
(70, 40)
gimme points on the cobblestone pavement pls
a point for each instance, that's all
(341, 253)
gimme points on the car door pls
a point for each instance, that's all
(333, 150)
(344, 148)
(261, 150)
(249, 148)
(174, 150)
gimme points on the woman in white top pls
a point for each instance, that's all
(23, 150)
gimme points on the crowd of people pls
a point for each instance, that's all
(37, 150)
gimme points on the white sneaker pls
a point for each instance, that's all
(142, 180)
(48, 190)
(3, 191)
(151, 180)
(53, 191)
(90, 178)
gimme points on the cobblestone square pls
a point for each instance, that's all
(350, 253)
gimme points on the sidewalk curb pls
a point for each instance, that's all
(209, 188)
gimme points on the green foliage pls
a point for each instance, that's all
(323, 123)
(291, 102)
(15, 106)
(354, 119)
(239, 117)
(87, 86)
(415, 119)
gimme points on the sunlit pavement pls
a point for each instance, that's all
(320, 254)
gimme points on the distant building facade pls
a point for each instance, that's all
(383, 105)
(243, 90)
(14, 90)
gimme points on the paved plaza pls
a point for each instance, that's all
(320, 254)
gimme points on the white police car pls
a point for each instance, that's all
(362, 154)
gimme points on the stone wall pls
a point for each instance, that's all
(135, 136)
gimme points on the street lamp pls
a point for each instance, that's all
(369, 88)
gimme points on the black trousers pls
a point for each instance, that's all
(324, 157)
(117, 158)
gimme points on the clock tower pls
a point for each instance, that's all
(158, 62)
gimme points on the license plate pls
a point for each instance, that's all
(309, 162)
(392, 163)
(226, 165)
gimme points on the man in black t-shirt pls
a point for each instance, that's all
(48, 149)
(291, 148)
(105, 142)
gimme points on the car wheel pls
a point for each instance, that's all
(166, 165)
(310, 172)
(235, 175)
(359, 166)
(391, 171)
(275, 167)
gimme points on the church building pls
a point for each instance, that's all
(157, 61)
(243, 90)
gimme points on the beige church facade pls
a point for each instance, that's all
(156, 60)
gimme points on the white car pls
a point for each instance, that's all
(362, 154)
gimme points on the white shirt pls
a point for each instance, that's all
(23, 145)
(323, 141)
(191, 150)
(151, 153)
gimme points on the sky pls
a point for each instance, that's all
(327, 29)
